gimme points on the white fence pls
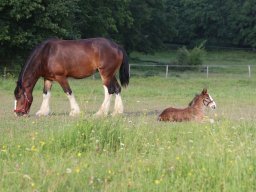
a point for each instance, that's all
(167, 69)
(207, 69)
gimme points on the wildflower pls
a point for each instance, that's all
(177, 158)
(79, 154)
(68, 170)
(33, 148)
(42, 143)
(4, 148)
(77, 170)
(157, 182)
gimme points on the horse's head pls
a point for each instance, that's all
(22, 101)
(207, 99)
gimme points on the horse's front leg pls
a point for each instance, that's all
(75, 110)
(45, 106)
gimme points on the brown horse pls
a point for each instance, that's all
(56, 60)
(195, 110)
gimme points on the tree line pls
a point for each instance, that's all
(138, 25)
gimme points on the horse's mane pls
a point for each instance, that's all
(33, 55)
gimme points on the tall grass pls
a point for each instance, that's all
(132, 152)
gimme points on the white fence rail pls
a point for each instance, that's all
(167, 69)
(205, 68)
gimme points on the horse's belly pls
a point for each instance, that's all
(81, 73)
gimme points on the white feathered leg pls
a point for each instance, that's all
(118, 108)
(106, 103)
(45, 106)
(75, 110)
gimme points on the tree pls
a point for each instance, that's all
(103, 17)
(25, 23)
(153, 24)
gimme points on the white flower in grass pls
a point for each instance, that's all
(68, 170)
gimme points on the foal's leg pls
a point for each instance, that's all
(45, 108)
(75, 110)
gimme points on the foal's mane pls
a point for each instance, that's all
(193, 100)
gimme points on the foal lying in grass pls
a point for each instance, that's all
(194, 111)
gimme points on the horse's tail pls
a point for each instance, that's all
(124, 73)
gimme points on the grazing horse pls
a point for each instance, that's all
(195, 110)
(56, 60)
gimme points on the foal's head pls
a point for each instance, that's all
(203, 98)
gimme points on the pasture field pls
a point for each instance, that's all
(132, 152)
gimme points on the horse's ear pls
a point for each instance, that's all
(204, 91)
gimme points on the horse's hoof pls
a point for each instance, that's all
(100, 114)
(116, 113)
(74, 113)
(40, 113)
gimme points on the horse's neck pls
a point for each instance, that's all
(29, 82)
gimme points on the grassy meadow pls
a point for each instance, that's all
(132, 152)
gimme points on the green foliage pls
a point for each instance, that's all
(143, 26)
(27, 23)
(193, 57)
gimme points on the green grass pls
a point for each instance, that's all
(132, 152)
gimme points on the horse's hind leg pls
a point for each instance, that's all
(75, 110)
(110, 88)
(106, 103)
(45, 107)
(118, 107)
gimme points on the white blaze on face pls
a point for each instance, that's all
(15, 104)
(212, 104)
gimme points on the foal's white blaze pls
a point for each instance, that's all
(73, 105)
(45, 107)
(212, 103)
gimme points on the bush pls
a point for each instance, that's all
(193, 57)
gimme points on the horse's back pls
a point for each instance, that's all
(80, 58)
(167, 114)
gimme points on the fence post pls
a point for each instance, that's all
(129, 70)
(249, 70)
(4, 72)
(166, 71)
(207, 71)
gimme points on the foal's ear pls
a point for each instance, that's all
(204, 91)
